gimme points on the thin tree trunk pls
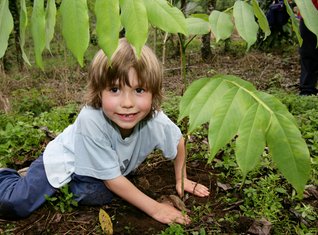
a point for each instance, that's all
(206, 52)
(13, 6)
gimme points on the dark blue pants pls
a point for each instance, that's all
(20, 196)
(308, 61)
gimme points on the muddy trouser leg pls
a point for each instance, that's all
(309, 61)
(89, 191)
(20, 196)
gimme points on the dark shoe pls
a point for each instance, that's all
(308, 93)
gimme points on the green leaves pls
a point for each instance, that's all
(236, 110)
(75, 27)
(245, 22)
(134, 19)
(197, 26)
(166, 17)
(107, 24)
(310, 15)
(38, 30)
(221, 25)
(23, 24)
(50, 15)
(294, 21)
(263, 23)
(6, 26)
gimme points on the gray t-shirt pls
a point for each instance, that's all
(93, 146)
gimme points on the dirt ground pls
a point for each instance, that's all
(155, 177)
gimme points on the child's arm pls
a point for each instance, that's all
(181, 173)
(159, 211)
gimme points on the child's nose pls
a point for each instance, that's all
(127, 101)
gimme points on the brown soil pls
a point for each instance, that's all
(155, 177)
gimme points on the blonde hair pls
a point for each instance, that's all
(102, 74)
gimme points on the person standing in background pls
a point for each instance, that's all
(308, 59)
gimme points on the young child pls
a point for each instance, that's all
(114, 132)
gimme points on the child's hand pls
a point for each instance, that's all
(168, 214)
(192, 187)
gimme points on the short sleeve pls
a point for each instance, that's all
(168, 135)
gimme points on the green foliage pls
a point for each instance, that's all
(58, 118)
(21, 135)
(245, 22)
(19, 138)
(265, 199)
(221, 25)
(38, 30)
(173, 229)
(235, 109)
(75, 27)
(23, 22)
(310, 15)
(33, 101)
(105, 27)
(135, 17)
(63, 200)
(6, 26)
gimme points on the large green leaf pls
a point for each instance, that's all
(134, 19)
(294, 21)
(262, 20)
(234, 108)
(221, 25)
(6, 26)
(197, 26)
(226, 118)
(50, 16)
(245, 22)
(189, 97)
(289, 150)
(107, 25)
(38, 30)
(75, 27)
(251, 141)
(23, 22)
(309, 14)
(166, 17)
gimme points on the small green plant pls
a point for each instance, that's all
(63, 201)
(174, 229)
(235, 109)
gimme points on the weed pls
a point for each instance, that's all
(63, 201)
(173, 229)
(264, 200)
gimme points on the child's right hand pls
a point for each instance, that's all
(168, 214)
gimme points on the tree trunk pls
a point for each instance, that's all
(206, 53)
(13, 6)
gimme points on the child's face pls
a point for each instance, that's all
(126, 106)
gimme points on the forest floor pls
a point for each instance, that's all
(155, 177)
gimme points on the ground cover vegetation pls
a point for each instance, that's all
(36, 105)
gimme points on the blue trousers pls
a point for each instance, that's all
(20, 196)
(309, 61)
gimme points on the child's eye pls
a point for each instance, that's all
(140, 90)
(114, 89)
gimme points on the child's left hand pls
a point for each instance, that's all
(192, 187)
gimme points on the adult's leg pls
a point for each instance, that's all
(20, 196)
(90, 191)
(308, 61)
